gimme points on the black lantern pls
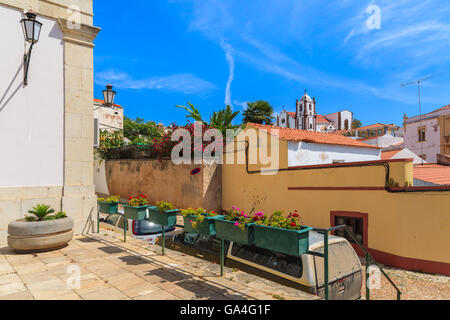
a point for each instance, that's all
(31, 31)
(109, 94)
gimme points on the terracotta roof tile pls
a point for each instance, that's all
(373, 126)
(312, 136)
(103, 101)
(320, 118)
(385, 155)
(434, 173)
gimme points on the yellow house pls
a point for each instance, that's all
(403, 226)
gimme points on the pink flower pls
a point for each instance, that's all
(260, 214)
(245, 216)
(236, 224)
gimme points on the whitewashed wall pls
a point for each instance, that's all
(303, 153)
(32, 117)
(432, 144)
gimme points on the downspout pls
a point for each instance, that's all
(384, 164)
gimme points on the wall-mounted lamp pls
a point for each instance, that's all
(109, 95)
(31, 31)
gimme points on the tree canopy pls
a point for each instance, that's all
(258, 112)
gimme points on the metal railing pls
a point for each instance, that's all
(369, 260)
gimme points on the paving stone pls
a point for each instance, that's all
(104, 294)
(48, 289)
(157, 295)
(30, 268)
(9, 278)
(11, 288)
(5, 268)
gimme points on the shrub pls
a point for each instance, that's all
(111, 199)
(164, 206)
(139, 201)
(200, 213)
(42, 212)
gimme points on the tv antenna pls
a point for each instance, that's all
(418, 82)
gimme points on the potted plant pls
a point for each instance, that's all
(136, 209)
(164, 213)
(199, 221)
(109, 205)
(41, 231)
(282, 234)
(235, 226)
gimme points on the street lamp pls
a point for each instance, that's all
(109, 94)
(31, 31)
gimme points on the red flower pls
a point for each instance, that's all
(296, 215)
(293, 224)
(130, 198)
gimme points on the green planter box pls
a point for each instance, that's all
(167, 219)
(291, 242)
(207, 227)
(135, 213)
(108, 207)
(228, 231)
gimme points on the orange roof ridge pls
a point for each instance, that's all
(332, 138)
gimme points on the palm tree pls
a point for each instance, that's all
(258, 112)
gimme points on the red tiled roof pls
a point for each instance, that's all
(434, 173)
(312, 136)
(320, 118)
(373, 126)
(103, 101)
(385, 155)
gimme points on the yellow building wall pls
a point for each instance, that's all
(411, 225)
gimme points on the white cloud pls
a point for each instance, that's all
(186, 83)
(230, 60)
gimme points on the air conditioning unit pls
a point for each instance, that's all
(96, 133)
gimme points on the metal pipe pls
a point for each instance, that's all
(325, 263)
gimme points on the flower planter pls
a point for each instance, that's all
(135, 213)
(227, 230)
(39, 236)
(207, 227)
(108, 207)
(291, 242)
(167, 219)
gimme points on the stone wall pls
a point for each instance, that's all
(162, 180)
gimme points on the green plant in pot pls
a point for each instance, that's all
(236, 226)
(164, 213)
(109, 205)
(282, 233)
(41, 230)
(199, 221)
(136, 209)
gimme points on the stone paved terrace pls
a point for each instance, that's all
(114, 270)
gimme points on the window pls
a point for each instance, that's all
(289, 265)
(373, 133)
(310, 126)
(421, 134)
(355, 224)
(379, 132)
(338, 161)
(363, 134)
(346, 124)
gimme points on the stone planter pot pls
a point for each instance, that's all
(26, 236)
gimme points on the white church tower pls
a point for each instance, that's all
(305, 115)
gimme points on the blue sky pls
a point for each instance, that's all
(161, 53)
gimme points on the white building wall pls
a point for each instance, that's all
(408, 154)
(432, 144)
(303, 153)
(32, 117)
(110, 119)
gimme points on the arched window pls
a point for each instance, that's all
(346, 124)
